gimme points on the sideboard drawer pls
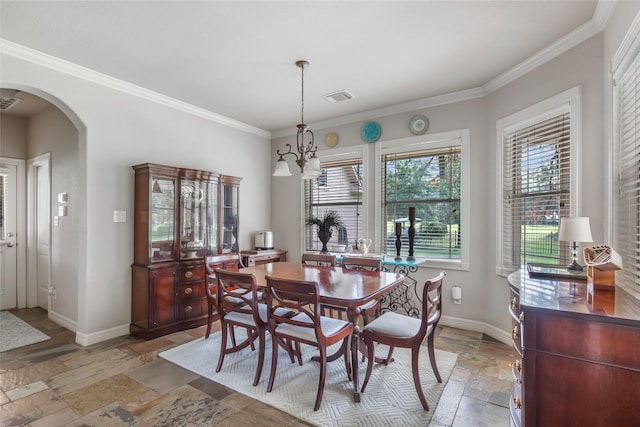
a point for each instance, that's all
(188, 273)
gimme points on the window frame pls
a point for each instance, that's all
(337, 154)
(425, 142)
(568, 101)
(621, 63)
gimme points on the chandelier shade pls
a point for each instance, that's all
(305, 157)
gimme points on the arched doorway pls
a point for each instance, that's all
(42, 132)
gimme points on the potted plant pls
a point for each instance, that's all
(325, 224)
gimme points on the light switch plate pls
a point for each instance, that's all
(63, 197)
(119, 216)
(62, 211)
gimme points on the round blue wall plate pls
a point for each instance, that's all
(371, 131)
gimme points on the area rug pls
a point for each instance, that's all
(390, 397)
(15, 332)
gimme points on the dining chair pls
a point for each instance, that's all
(238, 305)
(398, 330)
(231, 262)
(306, 326)
(319, 259)
(364, 264)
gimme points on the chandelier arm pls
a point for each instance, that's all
(311, 147)
(289, 151)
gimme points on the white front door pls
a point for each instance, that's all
(8, 235)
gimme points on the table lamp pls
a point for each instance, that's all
(575, 230)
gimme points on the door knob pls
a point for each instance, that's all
(11, 244)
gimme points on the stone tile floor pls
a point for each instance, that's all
(123, 382)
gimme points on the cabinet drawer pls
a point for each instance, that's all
(516, 337)
(515, 410)
(192, 290)
(516, 368)
(189, 273)
(193, 307)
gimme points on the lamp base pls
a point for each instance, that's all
(574, 266)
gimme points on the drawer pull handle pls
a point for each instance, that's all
(188, 291)
(517, 403)
(514, 303)
(188, 274)
(188, 308)
(516, 332)
(516, 365)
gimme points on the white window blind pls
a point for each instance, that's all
(338, 188)
(536, 185)
(626, 204)
(430, 181)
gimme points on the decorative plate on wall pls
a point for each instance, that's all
(371, 131)
(332, 139)
(418, 125)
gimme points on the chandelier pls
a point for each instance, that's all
(306, 156)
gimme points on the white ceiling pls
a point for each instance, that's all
(237, 58)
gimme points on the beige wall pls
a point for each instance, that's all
(50, 131)
(13, 137)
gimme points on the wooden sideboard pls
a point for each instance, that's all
(577, 354)
(257, 257)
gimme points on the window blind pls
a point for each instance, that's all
(626, 204)
(430, 181)
(536, 185)
(338, 188)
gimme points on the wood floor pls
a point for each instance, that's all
(123, 382)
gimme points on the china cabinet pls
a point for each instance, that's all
(180, 217)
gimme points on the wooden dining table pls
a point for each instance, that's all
(338, 287)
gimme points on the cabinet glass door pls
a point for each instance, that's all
(193, 217)
(162, 226)
(230, 219)
(211, 240)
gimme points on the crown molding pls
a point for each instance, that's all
(574, 38)
(419, 104)
(39, 58)
(629, 43)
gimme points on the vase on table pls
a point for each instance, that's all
(324, 236)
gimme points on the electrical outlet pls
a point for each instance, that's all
(456, 294)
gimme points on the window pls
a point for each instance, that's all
(536, 183)
(626, 195)
(427, 175)
(338, 188)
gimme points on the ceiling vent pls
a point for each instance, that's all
(8, 99)
(339, 96)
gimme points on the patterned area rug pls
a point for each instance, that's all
(15, 333)
(390, 397)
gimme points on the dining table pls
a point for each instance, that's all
(336, 286)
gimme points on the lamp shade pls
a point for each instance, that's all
(282, 168)
(575, 229)
(312, 168)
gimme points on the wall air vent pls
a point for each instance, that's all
(8, 99)
(339, 96)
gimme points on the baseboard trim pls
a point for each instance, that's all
(118, 331)
(96, 337)
(62, 320)
(472, 325)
